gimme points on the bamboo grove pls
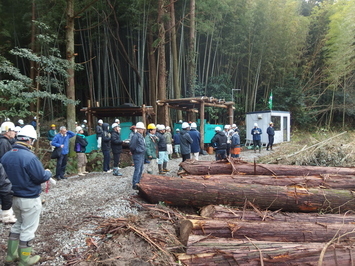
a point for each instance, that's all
(138, 51)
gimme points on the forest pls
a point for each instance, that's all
(58, 56)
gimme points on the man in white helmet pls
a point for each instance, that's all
(99, 132)
(26, 174)
(137, 148)
(185, 142)
(20, 123)
(196, 137)
(256, 132)
(219, 144)
(7, 137)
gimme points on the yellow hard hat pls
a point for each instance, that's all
(151, 126)
(52, 125)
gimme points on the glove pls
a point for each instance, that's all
(52, 182)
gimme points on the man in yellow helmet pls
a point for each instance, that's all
(51, 133)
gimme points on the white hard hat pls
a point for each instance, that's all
(20, 121)
(27, 132)
(77, 129)
(185, 125)
(100, 121)
(140, 125)
(167, 128)
(234, 125)
(227, 126)
(255, 124)
(160, 127)
(117, 121)
(217, 129)
(193, 125)
(85, 121)
(7, 126)
(114, 125)
(17, 129)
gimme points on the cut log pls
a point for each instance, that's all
(328, 181)
(183, 192)
(222, 251)
(220, 212)
(265, 231)
(193, 167)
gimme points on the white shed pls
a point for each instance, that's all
(282, 125)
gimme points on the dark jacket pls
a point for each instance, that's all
(186, 141)
(161, 142)
(80, 143)
(235, 140)
(116, 142)
(59, 140)
(196, 136)
(256, 132)
(270, 131)
(137, 144)
(5, 184)
(99, 131)
(106, 138)
(5, 145)
(219, 141)
(176, 138)
(25, 171)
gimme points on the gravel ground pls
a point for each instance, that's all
(73, 208)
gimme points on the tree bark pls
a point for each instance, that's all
(182, 192)
(328, 181)
(203, 250)
(265, 231)
(220, 212)
(240, 167)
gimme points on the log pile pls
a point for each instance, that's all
(289, 232)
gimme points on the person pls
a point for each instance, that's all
(84, 126)
(106, 147)
(133, 131)
(99, 132)
(117, 121)
(169, 141)
(51, 133)
(80, 148)
(26, 174)
(219, 143)
(34, 122)
(176, 141)
(195, 145)
(116, 147)
(7, 138)
(256, 132)
(137, 148)
(235, 128)
(163, 158)
(20, 123)
(271, 134)
(227, 132)
(185, 142)
(151, 145)
(61, 140)
(235, 144)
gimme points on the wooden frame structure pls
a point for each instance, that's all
(147, 113)
(197, 105)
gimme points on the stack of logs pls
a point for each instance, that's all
(290, 232)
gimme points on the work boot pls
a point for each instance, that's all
(8, 217)
(267, 147)
(12, 247)
(24, 253)
(116, 172)
(260, 149)
(161, 172)
(165, 164)
(80, 171)
(84, 170)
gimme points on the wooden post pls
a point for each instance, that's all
(202, 125)
(144, 115)
(166, 114)
(89, 118)
(230, 114)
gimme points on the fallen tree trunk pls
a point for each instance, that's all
(265, 231)
(221, 251)
(183, 192)
(328, 181)
(220, 212)
(240, 167)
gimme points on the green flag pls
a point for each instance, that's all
(270, 101)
